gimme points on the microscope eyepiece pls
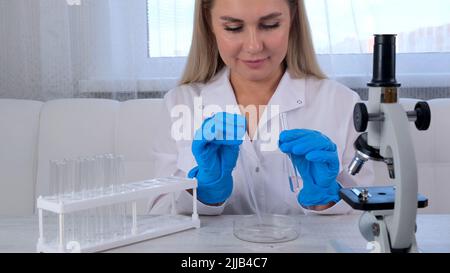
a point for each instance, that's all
(384, 61)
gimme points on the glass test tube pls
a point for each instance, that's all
(85, 178)
(293, 175)
(119, 210)
(109, 186)
(120, 172)
(51, 232)
(97, 215)
(54, 183)
(70, 183)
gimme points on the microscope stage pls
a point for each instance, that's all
(380, 198)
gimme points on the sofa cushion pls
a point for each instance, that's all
(140, 125)
(19, 125)
(71, 128)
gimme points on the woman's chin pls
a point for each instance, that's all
(255, 75)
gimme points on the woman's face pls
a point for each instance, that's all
(252, 36)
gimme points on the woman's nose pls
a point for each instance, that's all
(253, 42)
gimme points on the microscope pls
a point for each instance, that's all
(389, 216)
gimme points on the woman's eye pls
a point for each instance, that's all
(233, 29)
(262, 26)
(270, 26)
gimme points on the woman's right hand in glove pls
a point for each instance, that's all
(216, 149)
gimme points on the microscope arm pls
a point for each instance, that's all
(396, 143)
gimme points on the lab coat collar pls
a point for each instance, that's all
(220, 92)
(289, 95)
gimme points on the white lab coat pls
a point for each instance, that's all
(322, 105)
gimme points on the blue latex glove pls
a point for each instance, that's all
(315, 157)
(216, 149)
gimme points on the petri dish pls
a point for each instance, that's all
(269, 228)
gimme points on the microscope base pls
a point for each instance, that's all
(378, 212)
(373, 226)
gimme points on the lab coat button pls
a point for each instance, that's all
(300, 102)
(257, 169)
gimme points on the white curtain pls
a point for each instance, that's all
(66, 48)
(170, 27)
(71, 48)
(346, 26)
(343, 36)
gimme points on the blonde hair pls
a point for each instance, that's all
(204, 60)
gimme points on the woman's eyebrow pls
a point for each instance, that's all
(231, 19)
(271, 16)
(266, 17)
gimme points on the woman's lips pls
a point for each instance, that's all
(255, 64)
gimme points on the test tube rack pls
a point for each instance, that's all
(167, 224)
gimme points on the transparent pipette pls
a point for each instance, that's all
(250, 188)
(293, 176)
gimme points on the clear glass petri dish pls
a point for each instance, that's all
(269, 228)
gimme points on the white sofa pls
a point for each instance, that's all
(32, 133)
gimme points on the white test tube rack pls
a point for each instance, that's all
(136, 191)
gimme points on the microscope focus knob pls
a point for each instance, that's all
(423, 113)
(360, 117)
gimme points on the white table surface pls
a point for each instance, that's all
(317, 234)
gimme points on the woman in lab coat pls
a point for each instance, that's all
(255, 58)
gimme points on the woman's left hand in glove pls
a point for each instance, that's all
(315, 157)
